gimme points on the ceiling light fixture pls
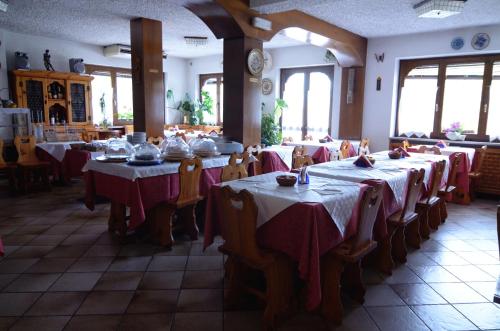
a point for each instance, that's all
(262, 23)
(3, 5)
(439, 8)
(196, 41)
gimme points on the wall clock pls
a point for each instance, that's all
(457, 43)
(480, 41)
(267, 86)
(255, 62)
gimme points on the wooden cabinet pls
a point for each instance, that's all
(62, 96)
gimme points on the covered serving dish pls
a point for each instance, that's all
(146, 152)
(118, 149)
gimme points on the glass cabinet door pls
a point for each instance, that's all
(35, 98)
(78, 101)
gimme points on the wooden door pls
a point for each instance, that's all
(78, 102)
(34, 96)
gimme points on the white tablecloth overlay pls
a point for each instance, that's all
(312, 146)
(345, 170)
(284, 152)
(338, 197)
(133, 172)
(58, 149)
(448, 150)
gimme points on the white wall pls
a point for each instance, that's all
(4, 83)
(380, 106)
(62, 50)
(288, 57)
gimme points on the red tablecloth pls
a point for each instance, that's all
(70, 167)
(462, 181)
(271, 162)
(321, 155)
(143, 193)
(304, 231)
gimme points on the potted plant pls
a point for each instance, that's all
(204, 106)
(455, 131)
(270, 128)
(188, 107)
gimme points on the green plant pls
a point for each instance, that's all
(270, 128)
(102, 103)
(205, 105)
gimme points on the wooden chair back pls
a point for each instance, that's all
(308, 138)
(302, 160)
(25, 147)
(368, 209)
(157, 141)
(287, 140)
(345, 148)
(452, 175)
(2, 160)
(253, 150)
(413, 188)
(239, 224)
(480, 159)
(182, 135)
(406, 144)
(436, 179)
(364, 147)
(236, 170)
(429, 150)
(189, 177)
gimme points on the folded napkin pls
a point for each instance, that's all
(362, 161)
(328, 138)
(213, 133)
(441, 144)
(402, 151)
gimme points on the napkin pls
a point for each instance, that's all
(362, 161)
(441, 144)
(328, 138)
(402, 151)
(213, 133)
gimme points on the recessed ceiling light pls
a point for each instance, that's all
(439, 8)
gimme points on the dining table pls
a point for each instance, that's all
(143, 187)
(303, 221)
(320, 152)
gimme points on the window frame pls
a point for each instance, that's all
(286, 73)
(219, 76)
(405, 66)
(113, 72)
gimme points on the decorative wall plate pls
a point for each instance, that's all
(457, 43)
(267, 86)
(268, 61)
(255, 61)
(480, 41)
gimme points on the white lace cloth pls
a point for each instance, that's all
(284, 152)
(133, 172)
(448, 150)
(312, 146)
(58, 149)
(338, 197)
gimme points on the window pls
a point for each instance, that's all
(308, 93)
(213, 84)
(114, 87)
(436, 94)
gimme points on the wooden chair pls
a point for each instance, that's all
(287, 140)
(475, 176)
(161, 216)
(30, 167)
(253, 150)
(345, 148)
(350, 254)
(308, 138)
(393, 246)
(103, 135)
(364, 147)
(235, 170)
(238, 225)
(429, 208)
(406, 144)
(429, 150)
(182, 135)
(256, 151)
(450, 187)
(300, 161)
(157, 141)
(8, 169)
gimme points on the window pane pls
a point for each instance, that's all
(462, 96)
(318, 105)
(210, 86)
(124, 97)
(418, 101)
(493, 127)
(102, 90)
(293, 94)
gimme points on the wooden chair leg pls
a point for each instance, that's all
(235, 273)
(188, 219)
(160, 220)
(443, 210)
(412, 234)
(385, 262)
(279, 290)
(423, 222)
(331, 306)
(353, 281)
(434, 217)
(398, 245)
(117, 219)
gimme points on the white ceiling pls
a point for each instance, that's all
(105, 22)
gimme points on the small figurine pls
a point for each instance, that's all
(46, 61)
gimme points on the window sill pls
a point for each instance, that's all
(431, 141)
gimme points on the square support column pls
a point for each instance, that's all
(147, 76)
(242, 92)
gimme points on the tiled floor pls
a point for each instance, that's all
(63, 270)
